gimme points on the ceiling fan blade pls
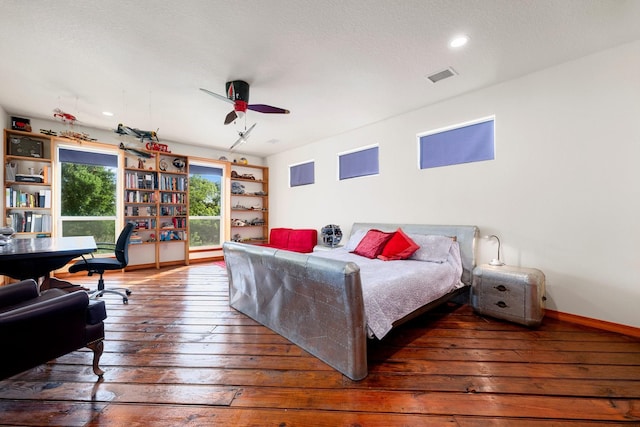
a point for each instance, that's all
(230, 117)
(215, 95)
(261, 108)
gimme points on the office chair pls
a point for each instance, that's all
(94, 265)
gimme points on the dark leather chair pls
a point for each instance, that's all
(38, 327)
(95, 265)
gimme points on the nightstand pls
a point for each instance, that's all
(510, 293)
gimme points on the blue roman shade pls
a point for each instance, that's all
(359, 163)
(204, 170)
(302, 174)
(87, 158)
(466, 144)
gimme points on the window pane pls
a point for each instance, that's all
(204, 231)
(302, 174)
(88, 190)
(472, 143)
(359, 163)
(205, 183)
(101, 230)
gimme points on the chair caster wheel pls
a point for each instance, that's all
(125, 300)
(128, 292)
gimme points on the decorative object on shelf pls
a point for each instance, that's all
(179, 164)
(25, 146)
(495, 261)
(163, 165)
(223, 158)
(18, 123)
(135, 151)
(243, 161)
(237, 188)
(48, 132)
(331, 235)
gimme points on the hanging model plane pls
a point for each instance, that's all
(65, 117)
(144, 135)
(243, 137)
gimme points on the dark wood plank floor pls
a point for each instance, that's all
(177, 355)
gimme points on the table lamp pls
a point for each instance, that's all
(495, 261)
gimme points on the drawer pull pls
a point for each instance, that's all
(501, 288)
(501, 304)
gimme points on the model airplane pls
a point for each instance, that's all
(243, 137)
(65, 117)
(135, 151)
(144, 135)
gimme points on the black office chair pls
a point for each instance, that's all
(100, 265)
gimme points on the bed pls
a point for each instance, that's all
(321, 301)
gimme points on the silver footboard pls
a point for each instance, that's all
(315, 303)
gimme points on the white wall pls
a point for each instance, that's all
(562, 193)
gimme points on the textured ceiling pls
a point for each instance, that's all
(336, 64)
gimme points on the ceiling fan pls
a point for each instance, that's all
(243, 136)
(238, 95)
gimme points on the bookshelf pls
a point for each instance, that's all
(27, 183)
(156, 199)
(249, 220)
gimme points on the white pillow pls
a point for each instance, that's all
(355, 238)
(433, 248)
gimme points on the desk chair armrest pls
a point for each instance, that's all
(15, 293)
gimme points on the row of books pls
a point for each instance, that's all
(173, 183)
(16, 198)
(29, 222)
(137, 196)
(142, 180)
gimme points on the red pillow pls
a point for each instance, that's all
(400, 246)
(372, 243)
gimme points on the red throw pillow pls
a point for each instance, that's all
(400, 246)
(372, 243)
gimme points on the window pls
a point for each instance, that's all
(205, 205)
(463, 144)
(358, 163)
(88, 195)
(302, 174)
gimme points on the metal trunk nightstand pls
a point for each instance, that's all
(510, 293)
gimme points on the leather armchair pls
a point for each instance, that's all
(37, 327)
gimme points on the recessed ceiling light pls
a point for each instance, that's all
(108, 113)
(458, 41)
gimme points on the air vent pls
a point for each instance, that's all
(441, 75)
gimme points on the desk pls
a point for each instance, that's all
(35, 258)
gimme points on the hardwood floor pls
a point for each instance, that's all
(178, 355)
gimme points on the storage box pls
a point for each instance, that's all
(510, 293)
(25, 146)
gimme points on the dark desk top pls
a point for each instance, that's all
(25, 258)
(47, 246)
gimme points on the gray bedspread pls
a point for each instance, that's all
(393, 289)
